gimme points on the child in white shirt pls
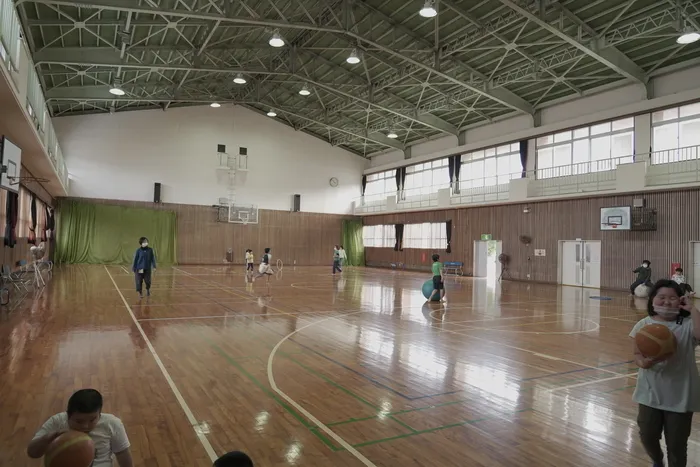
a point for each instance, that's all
(679, 278)
(84, 414)
(668, 387)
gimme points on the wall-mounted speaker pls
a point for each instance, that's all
(156, 193)
(242, 151)
(221, 148)
(296, 203)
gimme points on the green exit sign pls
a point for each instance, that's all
(486, 236)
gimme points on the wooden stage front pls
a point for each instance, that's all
(323, 371)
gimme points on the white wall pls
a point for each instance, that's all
(121, 156)
(668, 89)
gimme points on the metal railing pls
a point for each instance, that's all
(671, 156)
(674, 166)
(10, 30)
(35, 104)
(582, 168)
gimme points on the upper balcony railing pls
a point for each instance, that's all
(35, 103)
(670, 167)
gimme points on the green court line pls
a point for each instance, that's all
(429, 430)
(252, 378)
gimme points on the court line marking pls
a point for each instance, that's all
(302, 410)
(537, 354)
(587, 383)
(232, 315)
(125, 270)
(185, 408)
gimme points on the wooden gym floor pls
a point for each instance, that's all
(323, 371)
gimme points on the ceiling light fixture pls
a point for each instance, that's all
(215, 105)
(354, 57)
(276, 40)
(428, 10)
(304, 91)
(239, 79)
(272, 113)
(116, 88)
(392, 134)
(688, 37)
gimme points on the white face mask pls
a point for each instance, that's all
(645, 265)
(665, 312)
(144, 244)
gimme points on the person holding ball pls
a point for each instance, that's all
(84, 414)
(668, 387)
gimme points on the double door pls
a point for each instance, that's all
(580, 263)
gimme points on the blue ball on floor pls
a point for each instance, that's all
(428, 290)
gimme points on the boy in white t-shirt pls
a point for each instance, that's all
(84, 413)
(249, 260)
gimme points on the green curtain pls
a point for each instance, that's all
(102, 234)
(352, 242)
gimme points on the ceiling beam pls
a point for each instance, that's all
(502, 95)
(607, 55)
(133, 6)
(90, 58)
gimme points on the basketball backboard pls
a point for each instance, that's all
(615, 218)
(11, 162)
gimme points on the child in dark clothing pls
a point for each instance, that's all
(643, 276)
(144, 264)
(234, 459)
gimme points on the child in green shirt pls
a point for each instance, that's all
(438, 279)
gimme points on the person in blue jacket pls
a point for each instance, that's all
(144, 264)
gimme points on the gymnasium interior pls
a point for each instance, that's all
(542, 148)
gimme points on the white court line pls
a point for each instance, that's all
(125, 270)
(232, 315)
(182, 271)
(586, 383)
(300, 409)
(185, 408)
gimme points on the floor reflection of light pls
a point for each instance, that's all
(384, 409)
(424, 359)
(493, 381)
(376, 342)
(293, 452)
(261, 420)
(379, 298)
(596, 421)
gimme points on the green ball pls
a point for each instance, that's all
(428, 290)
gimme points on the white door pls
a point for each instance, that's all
(591, 264)
(580, 263)
(571, 263)
(481, 258)
(696, 266)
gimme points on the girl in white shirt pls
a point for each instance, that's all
(668, 388)
(343, 256)
(249, 259)
(679, 278)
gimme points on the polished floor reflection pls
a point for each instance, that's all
(316, 370)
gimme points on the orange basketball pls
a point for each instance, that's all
(71, 449)
(655, 340)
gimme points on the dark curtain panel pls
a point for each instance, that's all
(454, 165)
(32, 230)
(50, 222)
(448, 235)
(399, 182)
(11, 208)
(403, 182)
(364, 184)
(523, 158)
(399, 237)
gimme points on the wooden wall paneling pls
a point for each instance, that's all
(548, 222)
(304, 237)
